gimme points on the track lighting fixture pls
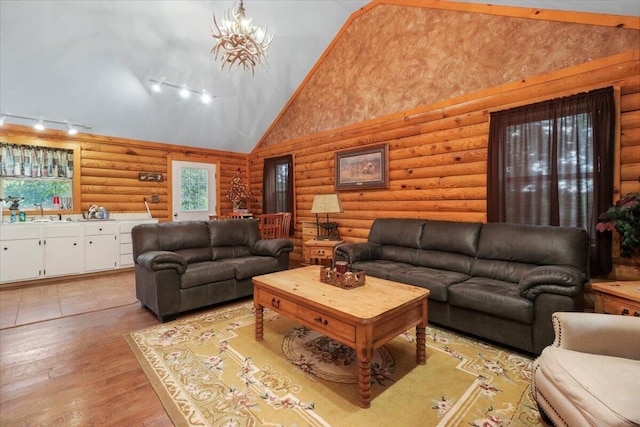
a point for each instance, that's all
(71, 130)
(72, 127)
(39, 124)
(183, 90)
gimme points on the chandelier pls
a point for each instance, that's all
(238, 42)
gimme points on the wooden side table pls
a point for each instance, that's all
(618, 298)
(319, 251)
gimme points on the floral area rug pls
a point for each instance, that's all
(208, 370)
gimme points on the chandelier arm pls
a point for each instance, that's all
(238, 42)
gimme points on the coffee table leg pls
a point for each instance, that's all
(364, 383)
(421, 353)
(259, 321)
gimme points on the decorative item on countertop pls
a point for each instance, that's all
(238, 192)
(348, 280)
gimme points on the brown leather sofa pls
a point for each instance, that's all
(181, 266)
(497, 281)
(590, 375)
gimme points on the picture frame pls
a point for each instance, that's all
(362, 168)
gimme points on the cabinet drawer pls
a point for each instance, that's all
(125, 238)
(100, 228)
(619, 306)
(126, 248)
(326, 253)
(63, 230)
(19, 231)
(126, 260)
(327, 325)
(275, 302)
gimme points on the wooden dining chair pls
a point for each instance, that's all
(233, 215)
(271, 226)
(286, 223)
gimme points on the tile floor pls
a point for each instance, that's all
(38, 303)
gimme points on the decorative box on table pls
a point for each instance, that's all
(347, 280)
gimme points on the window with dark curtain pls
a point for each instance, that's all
(277, 186)
(551, 163)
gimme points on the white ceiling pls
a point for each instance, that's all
(91, 61)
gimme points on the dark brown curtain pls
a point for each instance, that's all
(551, 163)
(277, 186)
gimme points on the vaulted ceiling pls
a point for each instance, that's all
(91, 61)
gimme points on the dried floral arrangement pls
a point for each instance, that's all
(238, 192)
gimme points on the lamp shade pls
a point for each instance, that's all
(326, 203)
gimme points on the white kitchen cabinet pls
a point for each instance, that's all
(32, 250)
(126, 248)
(20, 253)
(63, 250)
(101, 246)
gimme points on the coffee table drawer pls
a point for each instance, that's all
(276, 302)
(327, 325)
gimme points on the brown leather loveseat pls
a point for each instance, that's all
(181, 266)
(497, 281)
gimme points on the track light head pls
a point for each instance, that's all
(205, 97)
(71, 130)
(39, 124)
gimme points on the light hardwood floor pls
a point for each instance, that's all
(64, 361)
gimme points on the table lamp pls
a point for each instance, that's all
(326, 204)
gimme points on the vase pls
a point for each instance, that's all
(239, 205)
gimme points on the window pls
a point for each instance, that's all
(277, 186)
(194, 190)
(36, 174)
(551, 163)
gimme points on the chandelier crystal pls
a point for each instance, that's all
(239, 42)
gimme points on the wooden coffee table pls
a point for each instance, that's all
(362, 318)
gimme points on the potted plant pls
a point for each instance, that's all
(238, 192)
(624, 217)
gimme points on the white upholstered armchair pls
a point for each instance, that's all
(590, 375)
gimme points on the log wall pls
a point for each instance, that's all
(109, 167)
(438, 152)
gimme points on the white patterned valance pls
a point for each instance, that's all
(35, 162)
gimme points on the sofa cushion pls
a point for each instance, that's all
(535, 244)
(606, 395)
(400, 254)
(437, 281)
(169, 236)
(397, 232)
(195, 254)
(491, 296)
(202, 273)
(232, 232)
(380, 268)
(249, 266)
(508, 271)
(444, 261)
(228, 252)
(450, 236)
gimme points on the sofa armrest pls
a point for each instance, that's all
(554, 279)
(271, 247)
(353, 252)
(605, 334)
(162, 260)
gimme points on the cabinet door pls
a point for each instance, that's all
(101, 252)
(20, 259)
(63, 255)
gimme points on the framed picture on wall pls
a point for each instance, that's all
(362, 168)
